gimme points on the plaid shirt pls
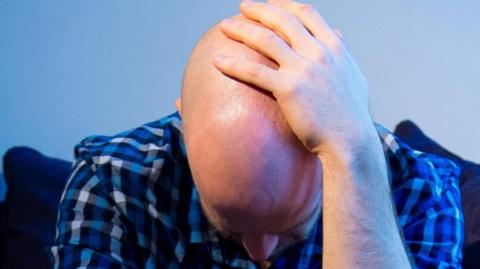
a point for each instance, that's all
(130, 202)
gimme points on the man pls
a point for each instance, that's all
(275, 163)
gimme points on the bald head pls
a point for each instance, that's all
(252, 173)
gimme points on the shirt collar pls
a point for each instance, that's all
(225, 252)
(202, 232)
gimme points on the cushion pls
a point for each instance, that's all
(470, 256)
(2, 217)
(469, 184)
(3, 188)
(35, 184)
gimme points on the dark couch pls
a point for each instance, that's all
(29, 212)
(35, 184)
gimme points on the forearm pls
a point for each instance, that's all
(359, 221)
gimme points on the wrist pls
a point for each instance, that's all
(363, 144)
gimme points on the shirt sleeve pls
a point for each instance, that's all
(432, 216)
(91, 232)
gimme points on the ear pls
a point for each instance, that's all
(178, 104)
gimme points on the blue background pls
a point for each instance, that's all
(69, 69)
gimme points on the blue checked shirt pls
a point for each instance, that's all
(130, 202)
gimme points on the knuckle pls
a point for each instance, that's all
(320, 56)
(231, 65)
(290, 19)
(284, 17)
(295, 88)
(307, 70)
(306, 8)
(242, 28)
(264, 37)
(254, 71)
(268, 37)
(282, 13)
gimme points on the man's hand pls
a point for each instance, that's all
(323, 96)
(318, 86)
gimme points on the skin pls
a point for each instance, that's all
(258, 185)
(323, 97)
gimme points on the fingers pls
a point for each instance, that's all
(250, 72)
(312, 20)
(259, 38)
(279, 20)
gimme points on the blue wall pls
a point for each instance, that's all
(69, 69)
